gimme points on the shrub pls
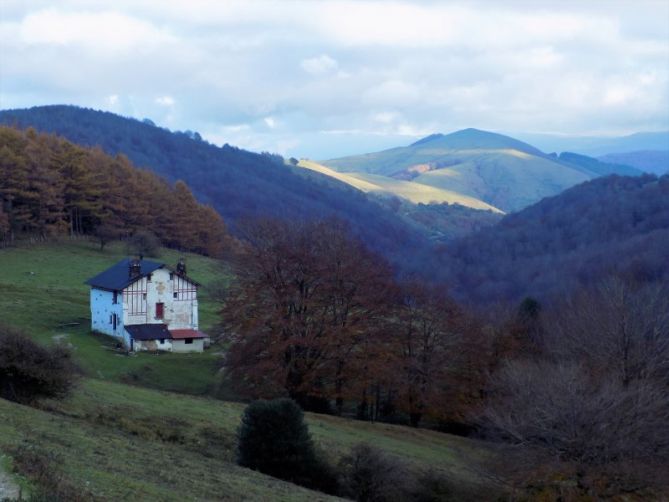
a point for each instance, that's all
(29, 371)
(369, 475)
(274, 439)
(42, 468)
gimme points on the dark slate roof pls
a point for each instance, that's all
(148, 331)
(117, 277)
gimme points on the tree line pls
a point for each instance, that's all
(51, 187)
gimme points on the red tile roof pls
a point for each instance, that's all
(180, 334)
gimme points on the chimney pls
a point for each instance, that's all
(135, 268)
(181, 267)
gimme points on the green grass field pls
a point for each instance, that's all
(163, 437)
(42, 290)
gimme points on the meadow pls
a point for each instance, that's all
(146, 426)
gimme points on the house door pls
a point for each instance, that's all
(160, 310)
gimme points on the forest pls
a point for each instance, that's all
(615, 224)
(51, 187)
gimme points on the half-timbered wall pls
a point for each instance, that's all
(177, 295)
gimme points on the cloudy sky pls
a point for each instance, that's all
(326, 78)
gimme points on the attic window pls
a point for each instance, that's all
(148, 278)
(115, 298)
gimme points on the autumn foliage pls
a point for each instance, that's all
(316, 316)
(51, 187)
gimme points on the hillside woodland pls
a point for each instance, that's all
(237, 183)
(51, 187)
(609, 225)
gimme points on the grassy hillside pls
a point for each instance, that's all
(495, 169)
(508, 179)
(140, 442)
(416, 193)
(42, 290)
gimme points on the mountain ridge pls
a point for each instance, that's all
(496, 169)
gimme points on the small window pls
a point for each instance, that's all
(162, 341)
(171, 276)
(148, 278)
(188, 341)
(160, 310)
(115, 298)
(144, 296)
(110, 318)
(176, 295)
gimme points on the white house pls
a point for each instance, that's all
(147, 306)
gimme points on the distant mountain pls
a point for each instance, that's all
(478, 165)
(612, 224)
(649, 161)
(467, 139)
(597, 146)
(597, 167)
(236, 182)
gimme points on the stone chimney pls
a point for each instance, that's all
(181, 267)
(135, 269)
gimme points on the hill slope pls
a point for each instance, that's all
(122, 424)
(237, 183)
(413, 192)
(495, 169)
(611, 224)
(649, 161)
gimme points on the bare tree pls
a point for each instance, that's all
(615, 328)
(594, 407)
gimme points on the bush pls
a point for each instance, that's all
(144, 243)
(29, 371)
(42, 468)
(369, 475)
(274, 440)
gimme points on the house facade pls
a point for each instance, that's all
(147, 305)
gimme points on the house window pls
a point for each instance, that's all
(148, 278)
(144, 296)
(115, 298)
(162, 341)
(188, 341)
(175, 295)
(160, 310)
(171, 276)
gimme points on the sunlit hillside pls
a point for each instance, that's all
(418, 193)
(498, 170)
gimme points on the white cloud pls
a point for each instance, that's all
(167, 101)
(319, 65)
(105, 30)
(268, 74)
